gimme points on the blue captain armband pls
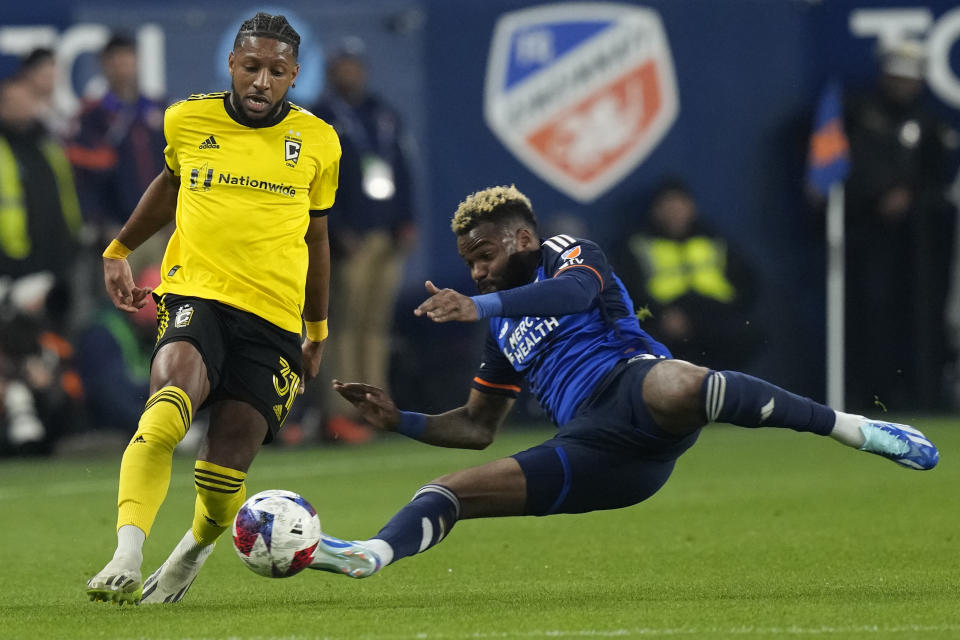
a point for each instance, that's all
(412, 424)
(489, 305)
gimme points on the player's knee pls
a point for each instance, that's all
(671, 391)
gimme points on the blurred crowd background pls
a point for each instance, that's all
(676, 134)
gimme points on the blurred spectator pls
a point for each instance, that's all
(371, 228)
(697, 288)
(113, 359)
(40, 217)
(118, 147)
(40, 392)
(898, 229)
(39, 70)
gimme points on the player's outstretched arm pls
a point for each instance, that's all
(157, 207)
(573, 291)
(472, 426)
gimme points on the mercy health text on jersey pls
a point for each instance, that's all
(581, 93)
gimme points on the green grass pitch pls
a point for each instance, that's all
(758, 534)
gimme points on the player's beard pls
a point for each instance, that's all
(521, 268)
(274, 110)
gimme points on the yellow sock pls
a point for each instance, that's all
(220, 494)
(145, 469)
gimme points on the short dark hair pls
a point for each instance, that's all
(35, 58)
(269, 26)
(668, 187)
(118, 41)
(497, 205)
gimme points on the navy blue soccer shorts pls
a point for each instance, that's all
(610, 455)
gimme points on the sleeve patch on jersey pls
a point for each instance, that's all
(582, 266)
(491, 385)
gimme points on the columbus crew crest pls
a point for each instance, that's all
(291, 148)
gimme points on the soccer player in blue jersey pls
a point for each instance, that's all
(625, 410)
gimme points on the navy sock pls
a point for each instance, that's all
(736, 398)
(424, 522)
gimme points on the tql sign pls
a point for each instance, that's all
(581, 93)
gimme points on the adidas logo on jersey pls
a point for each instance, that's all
(209, 143)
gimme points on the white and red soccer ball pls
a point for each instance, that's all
(276, 532)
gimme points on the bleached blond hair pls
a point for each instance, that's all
(494, 204)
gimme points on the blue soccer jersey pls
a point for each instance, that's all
(563, 357)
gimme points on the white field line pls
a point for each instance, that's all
(326, 468)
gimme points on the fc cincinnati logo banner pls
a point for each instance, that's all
(581, 93)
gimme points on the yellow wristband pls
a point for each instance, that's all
(317, 331)
(116, 251)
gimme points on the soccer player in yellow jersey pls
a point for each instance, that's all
(248, 178)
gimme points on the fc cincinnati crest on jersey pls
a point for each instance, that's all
(581, 93)
(291, 147)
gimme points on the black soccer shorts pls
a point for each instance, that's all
(610, 455)
(247, 358)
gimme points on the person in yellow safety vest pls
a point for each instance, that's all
(40, 219)
(697, 289)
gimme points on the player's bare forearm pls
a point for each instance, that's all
(318, 271)
(472, 426)
(464, 428)
(156, 209)
(317, 295)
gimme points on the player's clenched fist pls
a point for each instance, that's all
(447, 305)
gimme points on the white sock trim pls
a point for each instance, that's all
(716, 394)
(446, 493)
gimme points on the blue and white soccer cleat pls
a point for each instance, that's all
(901, 443)
(349, 558)
(173, 579)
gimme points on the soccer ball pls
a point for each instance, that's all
(275, 533)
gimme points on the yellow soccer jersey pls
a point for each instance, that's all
(245, 201)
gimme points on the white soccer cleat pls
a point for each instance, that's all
(115, 583)
(901, 443)
(172, 580)
(352, 559)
